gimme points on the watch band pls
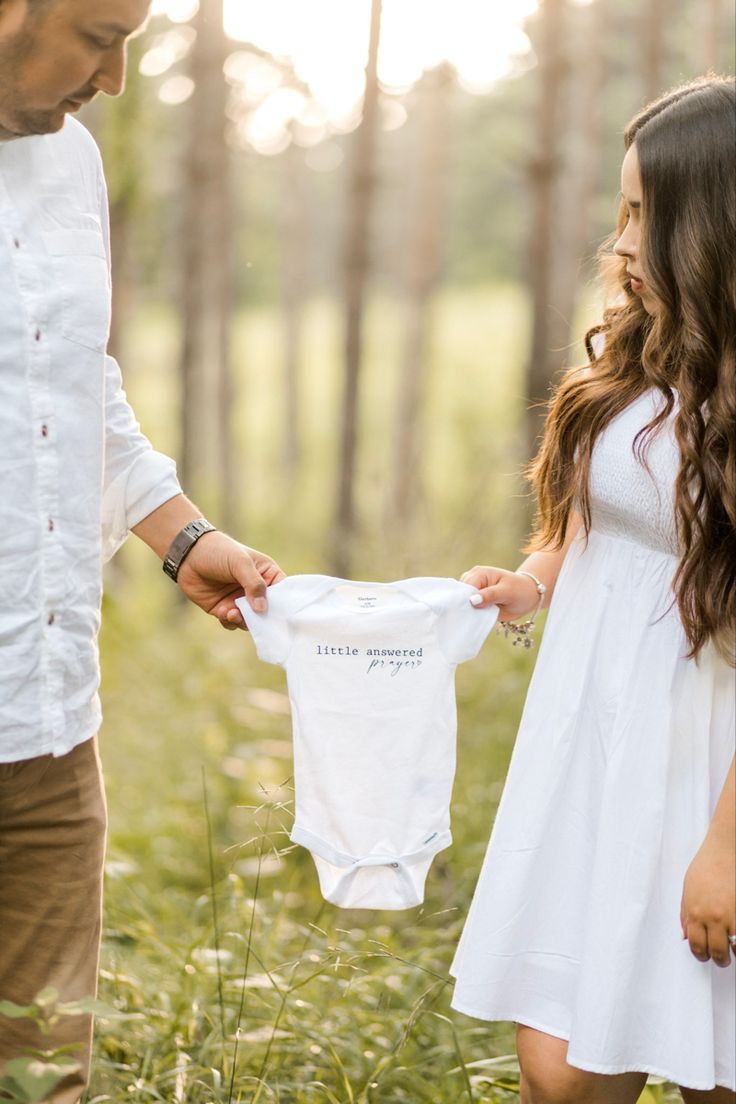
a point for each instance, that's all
(183, 543)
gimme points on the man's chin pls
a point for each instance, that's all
(33, 124)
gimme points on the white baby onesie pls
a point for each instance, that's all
(371, 676)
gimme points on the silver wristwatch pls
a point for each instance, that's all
(183, 543)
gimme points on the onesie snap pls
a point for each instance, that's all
(371, 677)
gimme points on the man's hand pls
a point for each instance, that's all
(219, 569)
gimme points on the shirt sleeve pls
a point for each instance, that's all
(271, 631)
(463, 628)
(136, 478)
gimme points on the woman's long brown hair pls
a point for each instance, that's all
(686, 145)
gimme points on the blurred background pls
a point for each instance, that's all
(354, 244)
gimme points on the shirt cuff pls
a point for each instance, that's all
(147, 484)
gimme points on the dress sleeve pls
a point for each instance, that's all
(136, 478)
(271, 631)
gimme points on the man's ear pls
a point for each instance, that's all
(12, 15)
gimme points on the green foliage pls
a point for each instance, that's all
(30, 1080)
(491, 148)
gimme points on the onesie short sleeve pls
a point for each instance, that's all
(271, 630)
(461, 628)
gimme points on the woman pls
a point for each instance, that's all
(604, 920)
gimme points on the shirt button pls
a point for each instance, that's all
(16, 243)
(51, 619)
(394, 865)
(37, 335)
(44, 431)
(51, 525)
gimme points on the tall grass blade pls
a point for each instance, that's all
(215, 918)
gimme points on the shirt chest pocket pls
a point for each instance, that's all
(80, 276)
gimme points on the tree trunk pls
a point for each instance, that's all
(579, 176)
(422, 271)
(294, 282)
(545, 170)
(714, 32)
(356, 271)
(206, 448)
(653, 44)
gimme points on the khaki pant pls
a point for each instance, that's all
(53, 822)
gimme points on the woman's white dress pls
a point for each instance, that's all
(622, 753)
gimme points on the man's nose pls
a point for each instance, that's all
(110, 77)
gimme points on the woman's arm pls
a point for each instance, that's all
(708, 910)
(514, 594)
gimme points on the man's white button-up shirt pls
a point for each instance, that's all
(76, 473)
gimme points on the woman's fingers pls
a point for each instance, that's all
(709, 942)
(486, 596)
(718, 946)
(481, 577)
(697, 937)
(514, 593)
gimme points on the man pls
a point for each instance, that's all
(76, 475)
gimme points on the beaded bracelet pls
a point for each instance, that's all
(522, 631)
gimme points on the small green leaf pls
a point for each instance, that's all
(9, 1087)
(13, 1011)
(36, 1079)
(94, 1007)
(651, 1095)
(46, 998)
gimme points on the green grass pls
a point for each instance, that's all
(245, 985)
(344, 998)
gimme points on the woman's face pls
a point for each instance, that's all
(628, 245)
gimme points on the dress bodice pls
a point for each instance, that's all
(626, 499)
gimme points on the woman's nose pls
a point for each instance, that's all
(624, 247)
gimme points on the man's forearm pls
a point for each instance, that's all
(160, 527)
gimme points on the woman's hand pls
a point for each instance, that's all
(708, 909)
(514, 594)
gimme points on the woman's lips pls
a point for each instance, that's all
(636, 285)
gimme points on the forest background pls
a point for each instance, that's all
(354, 244)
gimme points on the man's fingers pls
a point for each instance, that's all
(272, 573)
(254, 586)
